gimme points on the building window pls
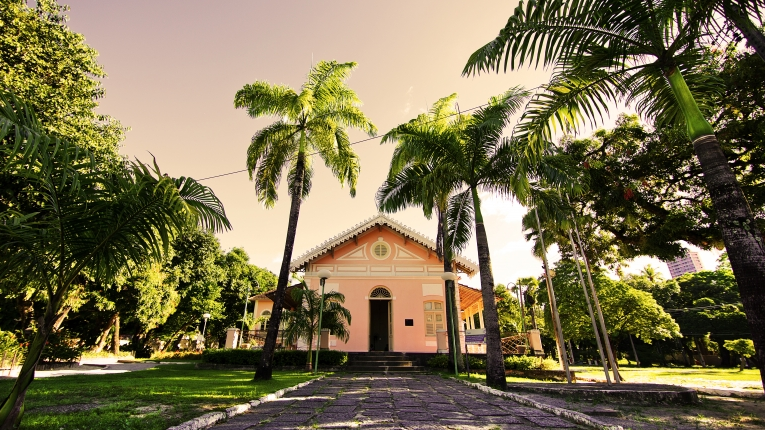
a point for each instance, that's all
(264, 317)
(380, 250)
(476, 321)
(380, 293)
(434, 318)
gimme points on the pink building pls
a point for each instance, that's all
(391, 278)
(689, 263)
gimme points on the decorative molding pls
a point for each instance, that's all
(381, 268)
(432, 290)
(410, 269)
(405, 255)
(463, 264)
(356, 254)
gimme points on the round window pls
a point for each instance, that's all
(380, 250)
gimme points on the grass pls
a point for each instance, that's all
(150, 399)
(691, 376)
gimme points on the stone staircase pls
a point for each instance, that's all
(381, 362)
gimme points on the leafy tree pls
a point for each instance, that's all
(240, 277)
(313, 120)
(742, 347)
(508, 311)
(626, 309)
(636, 52)
(56, 72)
(303, 321)
(88, 221)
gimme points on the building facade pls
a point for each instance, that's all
(391, 278)
(690, 263)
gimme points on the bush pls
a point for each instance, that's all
(9, 344)
(251, 357)
(477, 363)
(440, 361)
(522, 362)
(177, 355)
(548, 364)
(61, 347)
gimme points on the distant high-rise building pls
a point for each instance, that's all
(690, 263)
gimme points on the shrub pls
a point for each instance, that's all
(548, 364)
(9, 344)
(251, 357)
(61, 347)
(477, 363)
(440, 361)
(177, 355)
(522, 362)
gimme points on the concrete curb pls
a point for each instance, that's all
(577, 417)
(207, 420)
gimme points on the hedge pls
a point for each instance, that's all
(251, 357)
(514, 362)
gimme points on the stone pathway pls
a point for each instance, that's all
(392, 402)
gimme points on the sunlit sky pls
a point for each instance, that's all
(174, 67)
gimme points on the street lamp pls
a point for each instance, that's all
(323, 274)
(206, 317)
(450, 276)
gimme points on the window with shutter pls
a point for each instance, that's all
(434, 318)
(380, 250)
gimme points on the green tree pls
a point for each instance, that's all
(313, 120)
(742, 347)
(405, 187)
(303, 321)
(478, 159)
(643, 53)
(88, 221)
(56, 72)
(508, 311)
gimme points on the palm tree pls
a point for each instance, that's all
(312, 121)
(405, 187)
(637, 52)
(737, 13)
(477, 159)
(86, 220)
(303, 321)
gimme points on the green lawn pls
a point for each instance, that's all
(697, 376)
(149, 399)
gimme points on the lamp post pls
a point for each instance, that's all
(206, 316)
(244, 317)
(323, 276)
(450, 276)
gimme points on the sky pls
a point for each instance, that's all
(174, 66)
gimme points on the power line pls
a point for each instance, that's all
(460, 112)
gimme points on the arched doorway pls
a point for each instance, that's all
(380, 320)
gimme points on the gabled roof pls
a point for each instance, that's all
(469, 296)
(463, 264)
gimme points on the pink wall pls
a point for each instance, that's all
(408, 272)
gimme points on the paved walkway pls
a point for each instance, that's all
(392, 402)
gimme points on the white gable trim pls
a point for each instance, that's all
(405, 255)
(300, 263)
(357, 254)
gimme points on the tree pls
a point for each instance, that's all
(405, 187)
(742, 347)
(313, 120)
(88, 220)
(478, 159)
(56, 72)
(303, 321)
(638, 52)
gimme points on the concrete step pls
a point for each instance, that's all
(352, 368)
(381, 363)
(366, 359)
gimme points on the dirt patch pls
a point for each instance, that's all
(64, 409)
(142, 411)
(710, 412)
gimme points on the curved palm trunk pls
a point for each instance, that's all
(495, 363)
(265, 369)
(743, 240)
(452, 322)
(754, 37)
(12, 408)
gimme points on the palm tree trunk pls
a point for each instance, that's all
(754, 37)
(452, 323)
(743, 240)
(116, 335)
(265, 369)
(12, 408)
(495, 363)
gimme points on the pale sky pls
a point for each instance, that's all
(174, 67)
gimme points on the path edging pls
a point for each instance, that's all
(211, 418)
(577, 417)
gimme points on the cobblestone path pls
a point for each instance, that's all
(392, 402)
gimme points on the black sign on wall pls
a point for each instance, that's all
(409, 322)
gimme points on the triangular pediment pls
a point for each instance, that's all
(403, 254)
(357, 254)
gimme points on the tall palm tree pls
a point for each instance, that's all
(637, 52)
(312, 121)
(477, 159)
(303, 321)
(86, 220)
(405, 187)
